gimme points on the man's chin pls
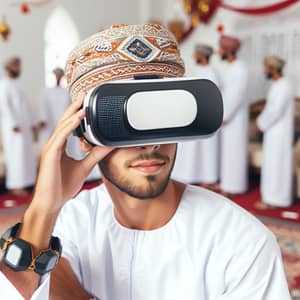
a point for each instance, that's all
(145, 195)
(147, 190)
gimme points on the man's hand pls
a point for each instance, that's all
(59, 179)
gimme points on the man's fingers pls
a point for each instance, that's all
(73, 108)
(96, 154)
(61, 133)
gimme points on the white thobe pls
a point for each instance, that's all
(277, 123)
(210, 249)
(234, 135)
(198, 161)
(18, 150)
(53, 104)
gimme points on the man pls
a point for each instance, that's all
(234, 134)
(17, 123)
(139, 235)
(53, 104)
(277, 123)
(198, 161)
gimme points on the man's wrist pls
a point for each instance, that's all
(37, 228)
(19, 254)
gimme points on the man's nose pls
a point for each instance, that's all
(150, 147)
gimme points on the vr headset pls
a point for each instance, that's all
(151, 111)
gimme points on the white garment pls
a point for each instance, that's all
(211, 249)
(19, 156)
(54, 103)
(277, 123)
(234, 135)
(198, 161)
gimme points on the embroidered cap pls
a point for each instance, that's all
(229, 43)
(274, 62)
(204, 49)
(121, 52)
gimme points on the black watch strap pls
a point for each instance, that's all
(18, 253)
(10, 233)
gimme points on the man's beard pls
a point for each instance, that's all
(224, 57)
(154, 187)
(269, 76)
(14, 74)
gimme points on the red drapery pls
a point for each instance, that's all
(260, 10)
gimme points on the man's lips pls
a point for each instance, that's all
(148, 166)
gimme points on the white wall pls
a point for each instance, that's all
(27, 37)
(251, 30)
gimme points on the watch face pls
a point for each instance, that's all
(18, 255)
(13, 255)
(45, 262)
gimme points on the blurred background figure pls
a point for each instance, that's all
(53, 103)
(198, 161)
(17, 131)
(234, 133)
(277, 124)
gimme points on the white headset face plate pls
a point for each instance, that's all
(161, 109)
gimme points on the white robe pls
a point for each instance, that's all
(198, 161)
(234, 135)
(54, 103)
(18, 151)
(211, 249)
(277, 123)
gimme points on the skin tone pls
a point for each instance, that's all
(137, 179)
(200, 58)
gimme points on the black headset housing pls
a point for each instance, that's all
(151, 111)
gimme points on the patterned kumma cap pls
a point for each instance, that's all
(121, 52)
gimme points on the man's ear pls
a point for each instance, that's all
(84, 145)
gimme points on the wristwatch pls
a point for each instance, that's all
(18, 254)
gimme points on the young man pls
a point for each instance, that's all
(198, 161)
(277, 123)
(17, 123)
(140, 235)
(234, 133)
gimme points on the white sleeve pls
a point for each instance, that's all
(273, 110)
(257, 273)
(8, 290)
